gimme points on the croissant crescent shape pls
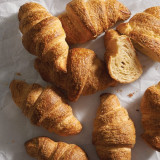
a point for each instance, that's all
(86, 74)
(43, 35)
(150, 109)
(44, 107)
(114, 131)
(84, 20)
(43, 148)
(144, 30)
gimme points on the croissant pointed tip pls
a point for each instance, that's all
(17, 88)
(14, 83)
(11, 84)
(32, 146)
(158, 85)
(152, 140)
(124, 11)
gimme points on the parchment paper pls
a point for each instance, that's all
(17, 63)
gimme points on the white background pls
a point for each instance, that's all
(15, 128)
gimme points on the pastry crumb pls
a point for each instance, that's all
(130, 95)
(18, 74)
(137, 110)
(13, 141)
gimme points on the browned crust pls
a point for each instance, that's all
(113, 44)
(44, 107)
(114, 132)
(150, 109)
(43, 35)
(79, 63)
(144, 30)
(44, 148)
(89, 19)
(86, 74)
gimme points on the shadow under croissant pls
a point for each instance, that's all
(133, 109)
(14, 58)
(146, 61)
(9, 26)
(9, 37)
(12, 122)
(98, 49)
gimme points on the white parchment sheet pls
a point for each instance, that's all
(17, 63)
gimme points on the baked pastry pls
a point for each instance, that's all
(43, 148)
(114, 131)
(144, 31)
(84, 20)
(44, 107)
(86, 74)
(43, 35)
(121, 59)
(150, 109)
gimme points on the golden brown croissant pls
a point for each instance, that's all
(43, 148)
(84, 20)
(44, 107)
(86, 74)
(121, 59)
(144, 30)
(114, 131)
(150, 108)
(43, 34)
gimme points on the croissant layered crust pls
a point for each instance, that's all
(43, 148)
(150, 109)
(86, 74)
(121, 59)
(144, 30)
(43, 35)
(45, 107)
(84, 20)
(114, 131)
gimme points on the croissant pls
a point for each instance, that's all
(144, 30)
(121, 59)
(43, 34)
(114, 131)
(150, 109)
(44, 107)
(43, 148)
(86, 74)
(84, 20)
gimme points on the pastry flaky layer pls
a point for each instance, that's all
(45, 107)
(43, 35)
(150, 109)
(86, 74)
(84, 20)
(43, 148)
(121, 59)
(114, 131)
(144, 30)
